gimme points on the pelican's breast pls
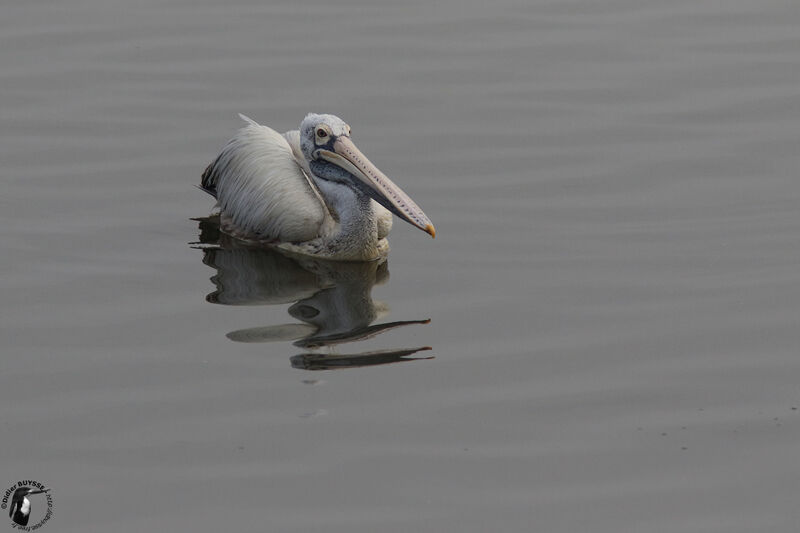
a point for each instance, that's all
(382, 215)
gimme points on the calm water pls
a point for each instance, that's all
(613, 293)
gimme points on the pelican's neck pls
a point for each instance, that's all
(355, 235)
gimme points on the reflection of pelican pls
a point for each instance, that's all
(331, 299)
(20, 508)
(310, 191)
(315, 361)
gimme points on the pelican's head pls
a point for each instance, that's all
(332, 156)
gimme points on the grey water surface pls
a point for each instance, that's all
(612, 300)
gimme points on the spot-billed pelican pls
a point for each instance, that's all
(308, 191)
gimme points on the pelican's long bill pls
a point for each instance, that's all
(376, 184)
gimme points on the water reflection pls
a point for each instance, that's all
(331, 299)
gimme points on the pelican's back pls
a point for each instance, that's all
(261, 188)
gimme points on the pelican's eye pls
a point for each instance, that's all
(321, 133)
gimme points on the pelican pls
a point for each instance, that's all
(308, 191)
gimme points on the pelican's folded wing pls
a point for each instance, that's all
(261, 188)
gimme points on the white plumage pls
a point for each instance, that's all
(267, 191)
(262, 189)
